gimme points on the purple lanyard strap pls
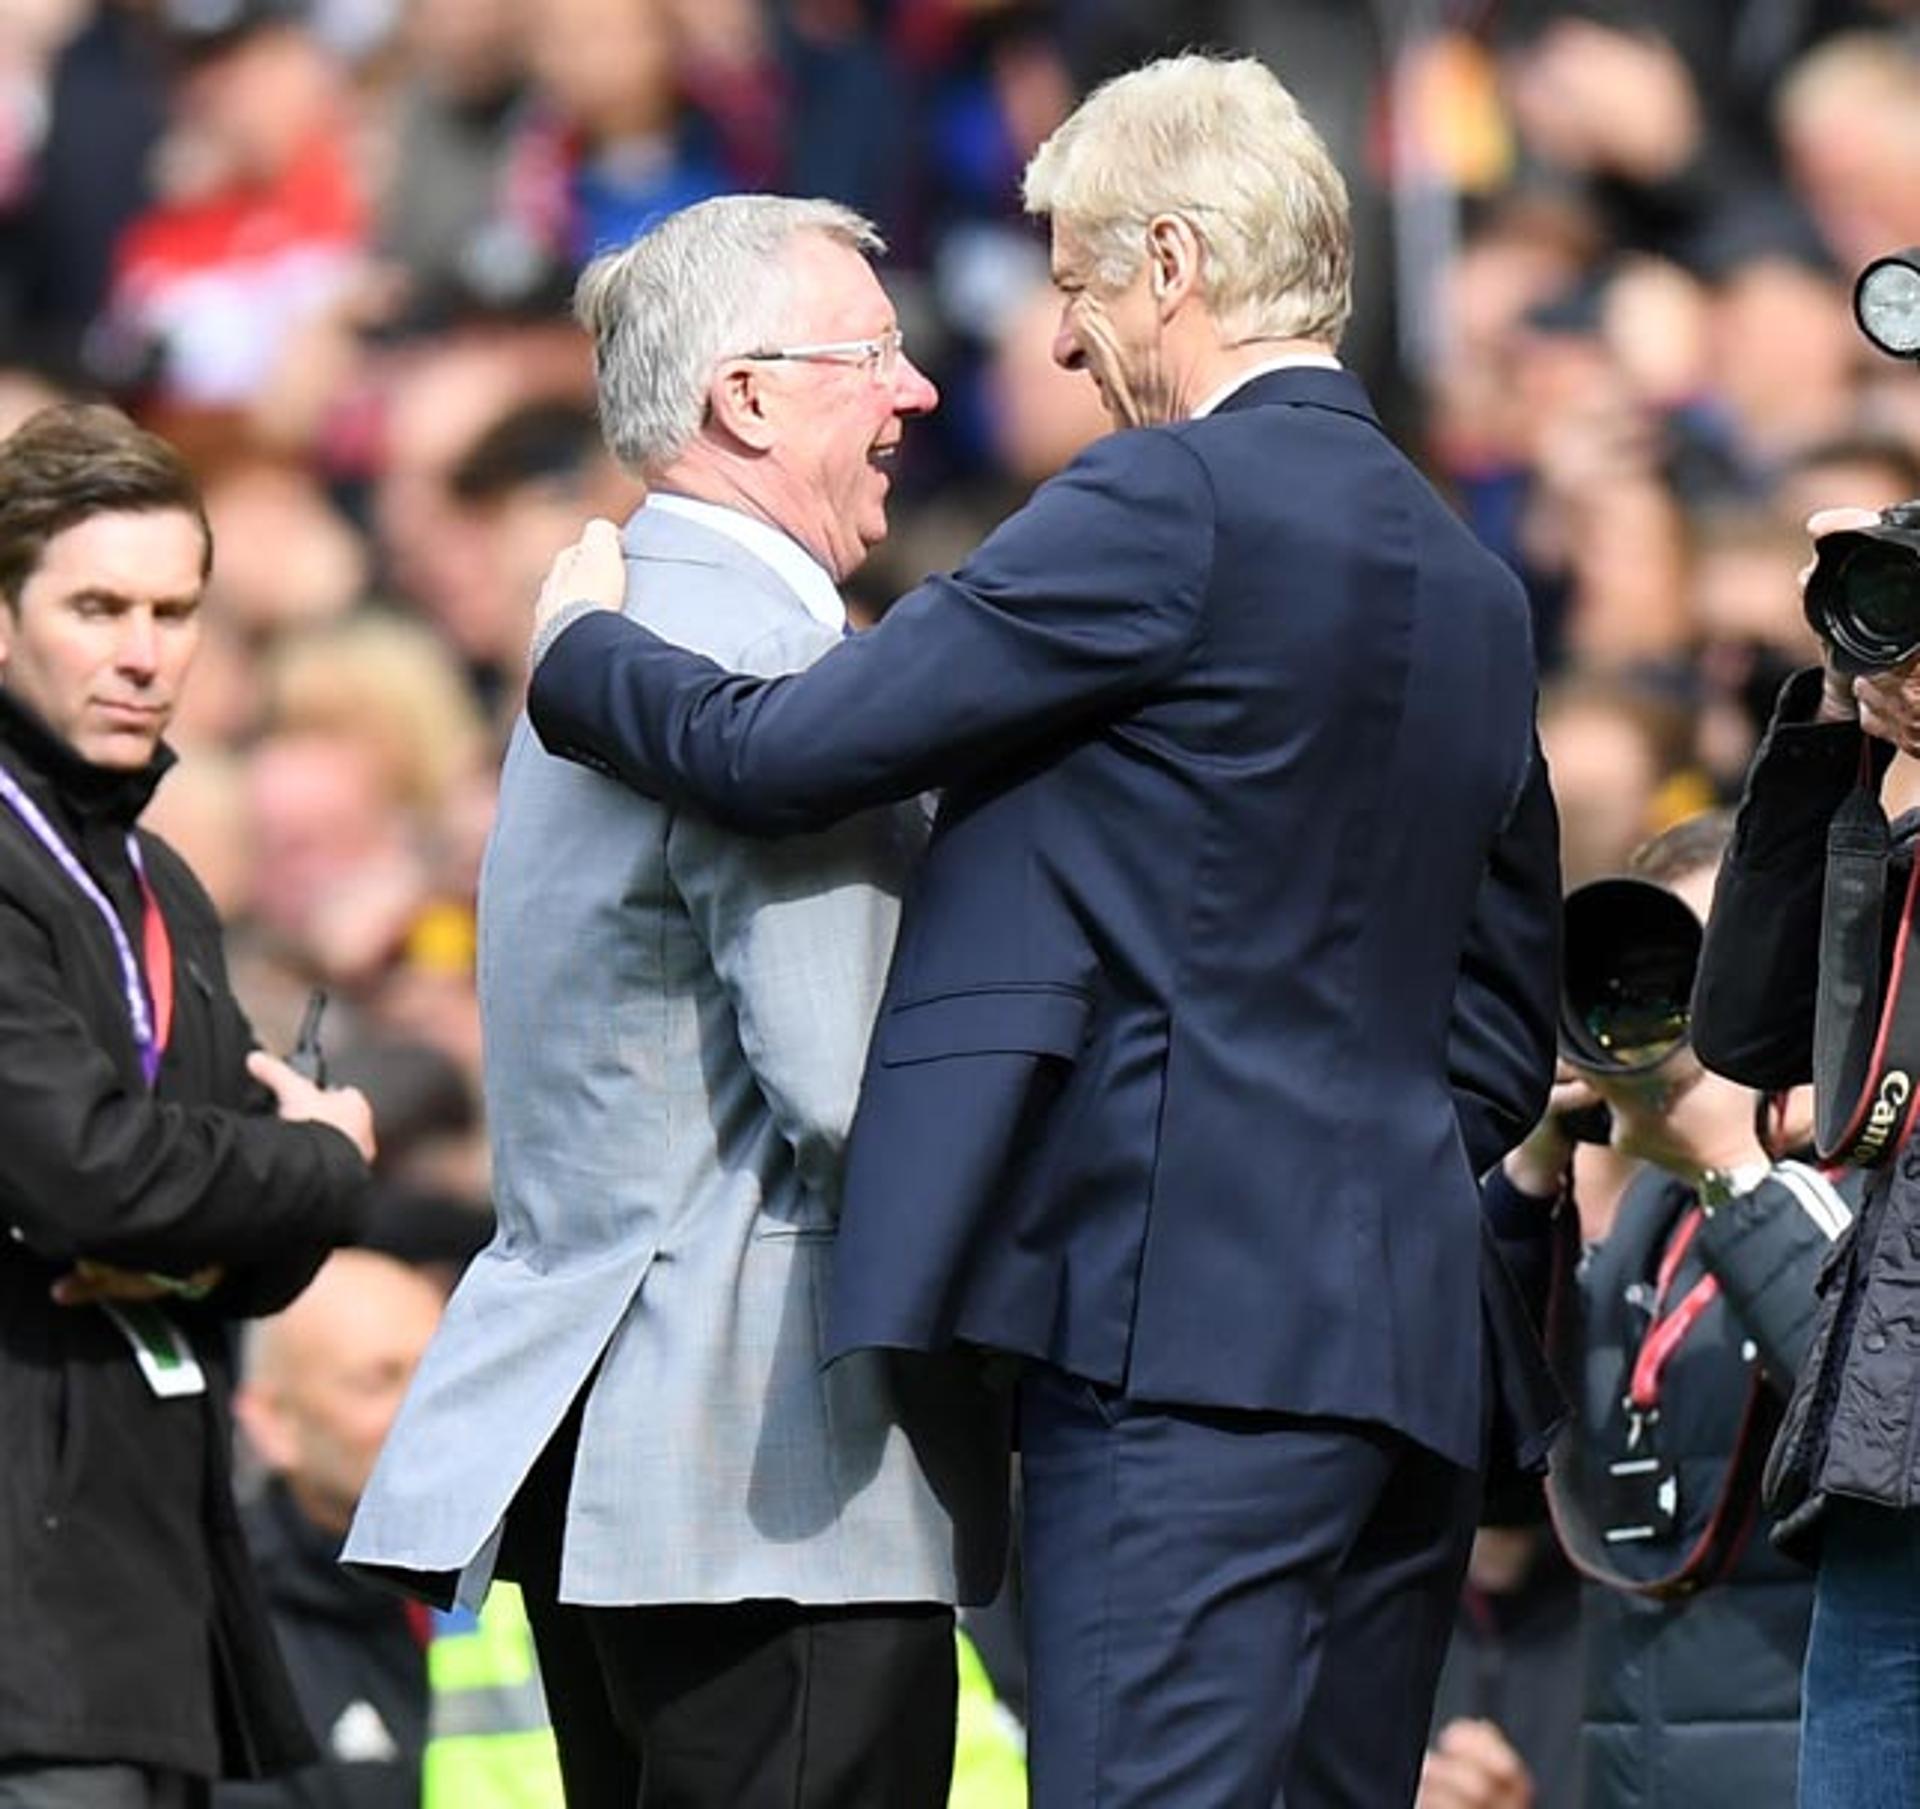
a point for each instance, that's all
(139, 1008)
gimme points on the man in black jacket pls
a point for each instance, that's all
(162, 1177)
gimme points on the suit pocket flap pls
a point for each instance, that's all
(993, 1020)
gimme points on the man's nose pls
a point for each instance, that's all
(913, 389)
(137, 651)
(1066, 348)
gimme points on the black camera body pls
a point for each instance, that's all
(1863, 595)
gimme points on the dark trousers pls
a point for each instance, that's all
(1230, 1609)
(49, 1784)
(732, 1705)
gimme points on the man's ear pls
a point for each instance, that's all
(1173, 261)
(258, 1415)
(737, 403)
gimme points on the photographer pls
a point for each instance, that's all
(1845, 1473)
(1678, 1335)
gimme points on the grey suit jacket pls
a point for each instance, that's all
(676, 1020)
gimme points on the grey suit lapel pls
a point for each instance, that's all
(655, 536)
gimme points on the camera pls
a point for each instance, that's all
(1863, 597)
(1627, 977)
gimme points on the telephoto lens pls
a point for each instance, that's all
(1863, 597)
(1627, 977)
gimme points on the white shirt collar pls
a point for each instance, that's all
(1316, 361)
(792, 564)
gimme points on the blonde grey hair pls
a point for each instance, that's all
(708, 283)
(1221, 144)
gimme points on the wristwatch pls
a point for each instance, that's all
(1717, 1186)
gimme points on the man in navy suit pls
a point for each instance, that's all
(1231, 964)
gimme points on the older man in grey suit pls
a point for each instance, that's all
(739, 1564)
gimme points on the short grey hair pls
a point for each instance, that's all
(708, 283)
(1220, 143)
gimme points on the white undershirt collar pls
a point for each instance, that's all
(1287, 361)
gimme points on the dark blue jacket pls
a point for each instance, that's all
(1232, 961)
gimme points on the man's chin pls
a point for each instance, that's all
(122, 752)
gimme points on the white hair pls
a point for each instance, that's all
(710, 282)
(1221, 144)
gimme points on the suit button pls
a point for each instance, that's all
(1873, 1342)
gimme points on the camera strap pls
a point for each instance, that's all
(1866, 1035)
(1729, 1522)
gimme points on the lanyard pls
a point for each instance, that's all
(152, 1020)
(1669, 1330)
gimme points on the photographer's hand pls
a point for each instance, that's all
(1697, 1123)
(1540, 1165)
(1889, 706)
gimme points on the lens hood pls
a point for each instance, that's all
(1631, 950)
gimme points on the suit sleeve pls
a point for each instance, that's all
(1753, 997)
(97, 1169)
(1500, 1052)
(1065, 616)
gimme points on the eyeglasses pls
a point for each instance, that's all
(879, 357)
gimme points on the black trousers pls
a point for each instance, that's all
(731, 1705)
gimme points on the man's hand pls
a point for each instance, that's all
(301, 1102)
(1696, 1122)
(89, 1283)
(591, 569)
(1472, 1766)
(1539, 1167)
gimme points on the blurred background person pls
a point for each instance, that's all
(1507, 1714)
(318, 1390)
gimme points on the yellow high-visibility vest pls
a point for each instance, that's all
(489, 1741)
(990, 1746)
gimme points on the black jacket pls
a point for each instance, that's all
(130, 1624)
(358, 1668)
(1853, 1424)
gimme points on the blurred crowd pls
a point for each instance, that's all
(1605, 255)
(326, 247)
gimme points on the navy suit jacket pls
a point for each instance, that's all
(1232, 962)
